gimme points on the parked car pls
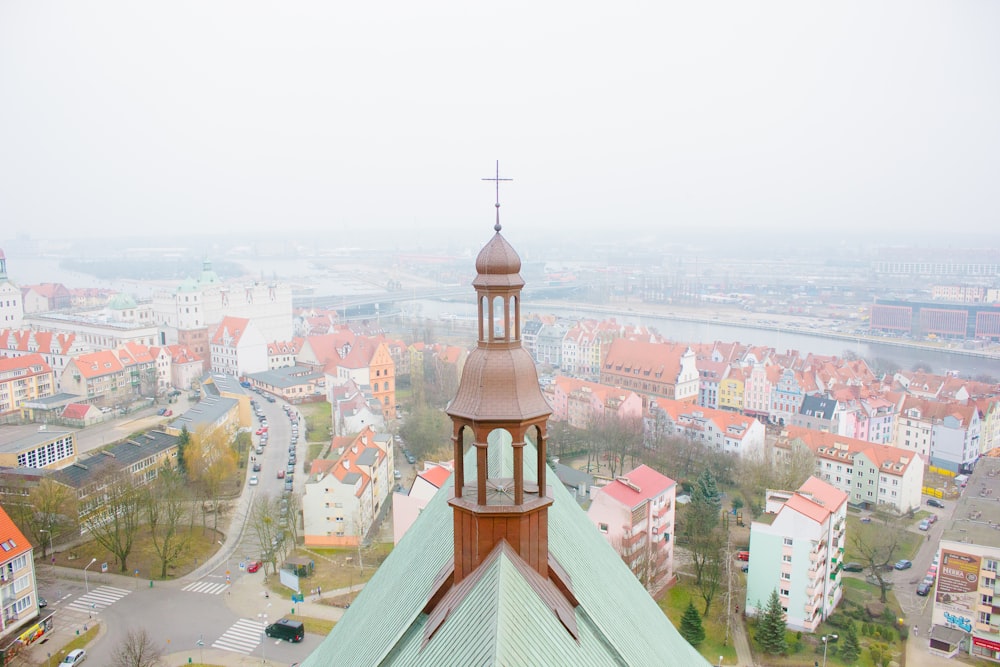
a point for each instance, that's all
(853, 567)
(161, 411)
(42, 603)
(288, 485)
(411, 459)
(253, 480)
(903, 564)
(743, 555)
(281, 474)
(74, 657)
(253, 566)
(396, 474)
(934, 502)
(932, 518)
(924, 525)
(168, 413)
(256, 467)
(924, 588)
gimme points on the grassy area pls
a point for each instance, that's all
(336, 568)
(314, 626)
(80, 641)
(676, 601)
(318, 423)
(203, 543)
(907, 549)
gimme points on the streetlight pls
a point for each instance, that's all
(85, 583)
(51, 553)
(219, 542)
(826, 640)
(263, 637)
(720, 661)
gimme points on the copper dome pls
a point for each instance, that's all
(498, 265)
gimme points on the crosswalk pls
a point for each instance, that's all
(98, 599)
(242, 637)
(206, 587)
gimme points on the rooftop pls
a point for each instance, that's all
(976, 518)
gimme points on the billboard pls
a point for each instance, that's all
(957, 587)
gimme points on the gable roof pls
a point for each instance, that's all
(13, 543)
(637, 486)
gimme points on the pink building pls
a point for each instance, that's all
(635, 513)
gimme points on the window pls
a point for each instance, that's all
(991, 565)
(787, 576)
(788, 541)
(603, 527)
(984, 617)
(786, 559)
(784, 591)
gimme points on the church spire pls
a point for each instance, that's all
(498, 406)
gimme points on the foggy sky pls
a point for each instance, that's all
(344, 121)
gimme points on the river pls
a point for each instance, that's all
(939, 361)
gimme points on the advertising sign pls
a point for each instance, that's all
(957, 586)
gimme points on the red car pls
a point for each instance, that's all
(743, 555)
(253, 566)
(262, 430)
(281, 474)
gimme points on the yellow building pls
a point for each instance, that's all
(731, 391)
(23, 379)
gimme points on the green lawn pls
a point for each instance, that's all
(317, 417)
(673, 604)
(908, 547)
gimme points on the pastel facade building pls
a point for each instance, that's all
(799, 554)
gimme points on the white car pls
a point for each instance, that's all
(74, 657)
(253, 480)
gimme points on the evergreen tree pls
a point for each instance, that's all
(706, 501)
(691, 628)
(182, 442)
(771, 627)
(850, 649)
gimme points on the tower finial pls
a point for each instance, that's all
(497, 180)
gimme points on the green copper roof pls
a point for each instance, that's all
(502, 621)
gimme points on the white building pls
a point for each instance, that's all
(869, 473)
(238, 348)
(799, 554)
(344, 496)
(721, 430)
(11, 304)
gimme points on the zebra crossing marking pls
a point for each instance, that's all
(206, 587)
(98, 599)
(242, 637)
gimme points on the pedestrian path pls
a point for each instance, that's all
(98, 599)
(206, 587)
(242, 637)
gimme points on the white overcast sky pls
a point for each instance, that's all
(343, 119)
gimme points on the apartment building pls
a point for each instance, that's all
(869, 473)
(18, 594)
(946, 434)
(238, 348)
(796, 549)
(722, 430)
(24, 379)
(344, 496)
(635, 513)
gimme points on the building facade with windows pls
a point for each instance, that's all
(798, 552)
(635, 513)
(967, 589)
(17, 583)
(24, 379)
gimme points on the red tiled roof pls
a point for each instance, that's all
(437, 476)
(75, 411)
(637, 486)
(26, 362)
(11, 536)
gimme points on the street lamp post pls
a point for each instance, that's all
(826, 640)
(263, 637)
(51, 553)
(85, 582)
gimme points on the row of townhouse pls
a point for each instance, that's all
(56, 348)
(582, 404)
(344, 496)
(870, 474)
(576, 347)
(720, 430)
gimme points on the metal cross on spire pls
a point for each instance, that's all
(497, 180)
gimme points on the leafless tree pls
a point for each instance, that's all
(877, 544)
(137, 649)
(113, 513)
(44, 512)
(167, 506)
(265, 526)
